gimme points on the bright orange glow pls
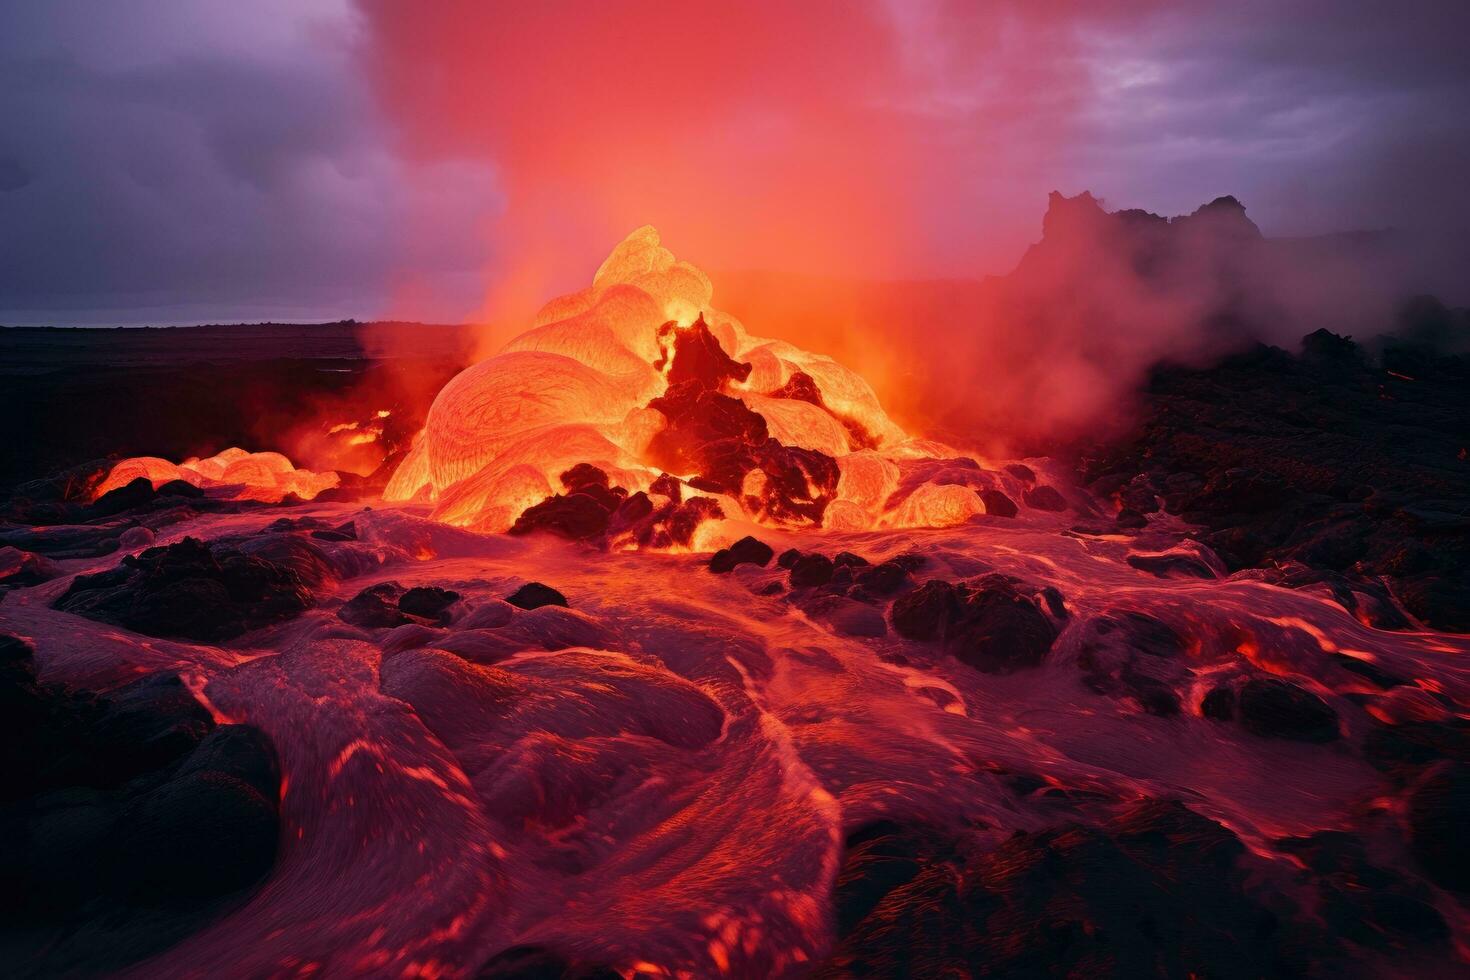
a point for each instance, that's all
(576, 387)
(243, 475)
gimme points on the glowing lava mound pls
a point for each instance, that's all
(267, 477)
(641, 379)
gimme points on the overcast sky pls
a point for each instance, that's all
(192, 160)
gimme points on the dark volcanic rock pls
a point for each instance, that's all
(811, 570)
(1278, 709)
(1403, 751)
(375, 607)
(986, 624)
(998, 504)
(698, 356)
(191, 591)
(534, 595)
(179, 488)
(577, 516)
(1219, 703)
(200, 834)
(137, 493)
(1155, 892)
(125, 819)
(1136, 655)
(926, 612)
(747, 550)
(584, 475)
(1044, 498)
(1439, 812)
(1130, 519)
(540, 963)
(847, 617)
(999, 630)
(884, 578)
(1323, 459)
(1175, 563)
(1372, 906)
(428, 602)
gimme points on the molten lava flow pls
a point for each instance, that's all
(268, 477)
(642, 379)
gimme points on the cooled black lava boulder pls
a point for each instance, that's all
(179, 488)
(999, 630)
(810, 571)
(202, 833)
(1278, 709)
(885, 578)
(1130, 519)
(541, 963)
(428, 602)
(534, 595)
(1219, 703)
(1153, 892)
(375, 607)
(576, 516)
(998, 504)
(747, 550)
(136, 493)
(926, 612)
(1439, 812)
(191, 591)
(1044, 498)
(987, 623)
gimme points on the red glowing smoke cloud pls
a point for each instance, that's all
(852, 142)
(817, 137)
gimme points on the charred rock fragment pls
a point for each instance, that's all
(728, 446)
(882, 579)
(986, 624)
(1132, 654)
(1219, 703)
(428, 602)
(540, 963)
(926, 612)
(810, 571)
(999, 630)
(998, 504)
(138, 493)
(534, 595)
(1044, 498)
(1156, 891)
(1372, 906)
(1439, 812)
(130, 808)
(1279, 709)
(576, 516)
(375, 607)
(846, 617)
(191, 591)
(747, 550)
(698, 357)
